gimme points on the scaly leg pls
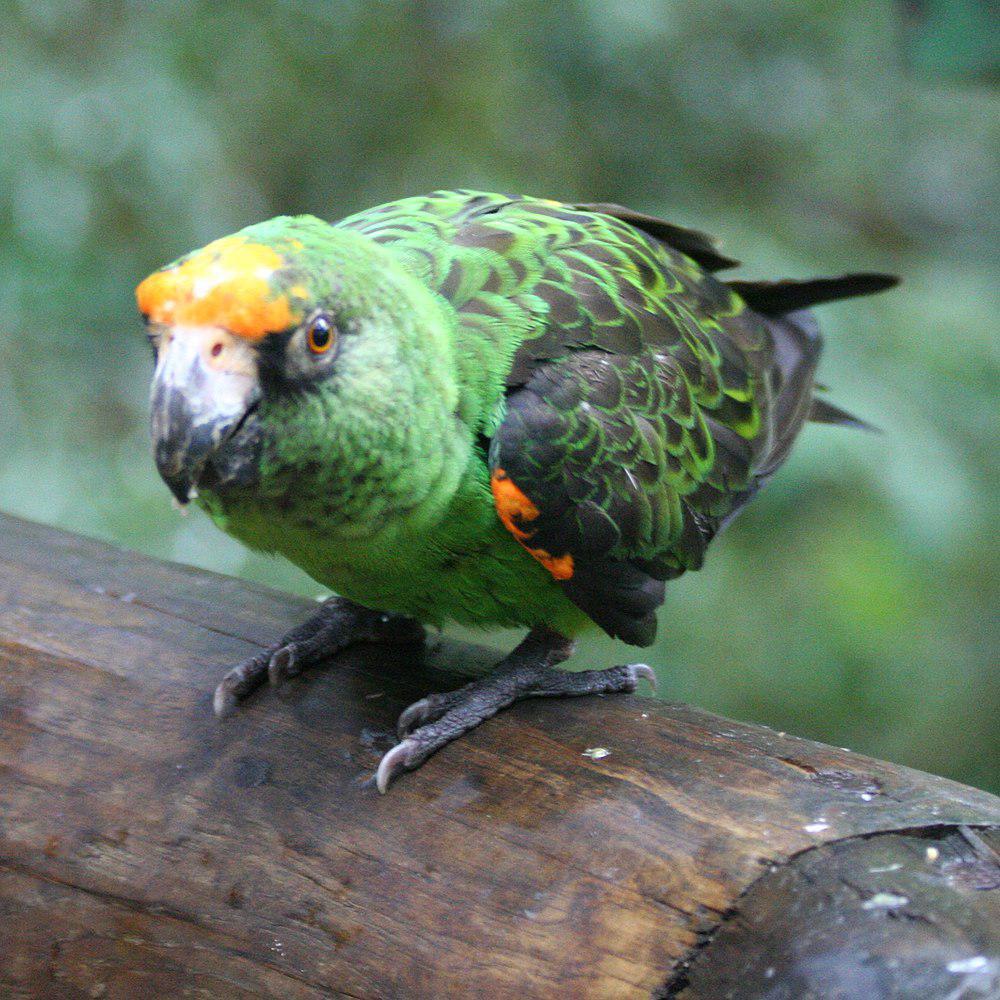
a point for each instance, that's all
(336, 625)
(429, 724)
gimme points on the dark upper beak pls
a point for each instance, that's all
(204, 386)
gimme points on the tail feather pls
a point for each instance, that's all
(824, 412)
(773, 298)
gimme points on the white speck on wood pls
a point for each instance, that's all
(884, 901)
(817, 826)
(963, 966)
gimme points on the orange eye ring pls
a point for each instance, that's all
(320, 336)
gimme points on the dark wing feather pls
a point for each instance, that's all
(608, 449)
(697, 245)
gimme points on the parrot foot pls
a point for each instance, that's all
(338, 624)
(434, 721)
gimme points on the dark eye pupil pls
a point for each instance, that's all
(320, 333)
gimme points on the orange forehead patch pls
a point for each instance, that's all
(226, 284)
(514, 508)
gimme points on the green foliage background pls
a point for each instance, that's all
(855, 601)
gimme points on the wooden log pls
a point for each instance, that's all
(147, 849)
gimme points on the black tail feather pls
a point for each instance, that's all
(774, 298)
(823, 412)
(618, 596)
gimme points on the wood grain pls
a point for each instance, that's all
(148, 849)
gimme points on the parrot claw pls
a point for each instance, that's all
(416, 715)
(282, 665)
(224, 701)
(238, 683)
(642, 671)
(425, 710)
(396, 761)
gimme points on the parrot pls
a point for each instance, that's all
(496, 411)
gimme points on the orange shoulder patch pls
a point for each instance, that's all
(226, 284)
(511, 503)
(561, 567)
(514, 508)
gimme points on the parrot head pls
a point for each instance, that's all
(289, 350)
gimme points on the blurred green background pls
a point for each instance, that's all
(855, 601)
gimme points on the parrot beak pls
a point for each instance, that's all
(205, 388)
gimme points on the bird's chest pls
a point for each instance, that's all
(464, 568)
(461, 565)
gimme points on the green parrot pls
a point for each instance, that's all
(477, 408)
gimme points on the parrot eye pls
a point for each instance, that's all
(320, 334)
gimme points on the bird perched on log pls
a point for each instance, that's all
(475, 408)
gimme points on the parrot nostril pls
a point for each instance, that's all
(216, 349)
